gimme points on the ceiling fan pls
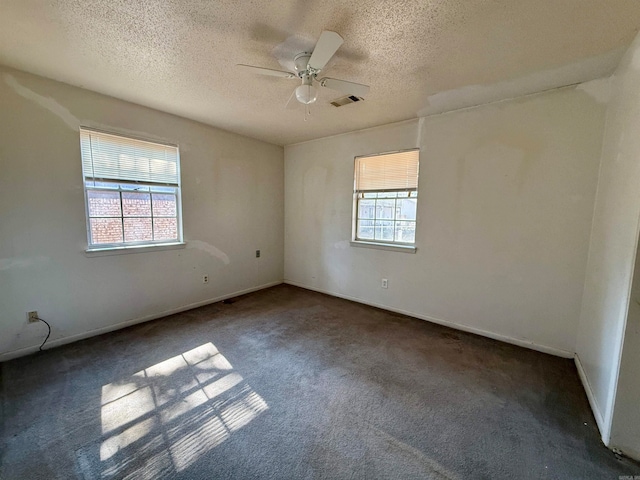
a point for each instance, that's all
(308, 65)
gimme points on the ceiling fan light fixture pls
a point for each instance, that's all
(307, 66)
(306, 94)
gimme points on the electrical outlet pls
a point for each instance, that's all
(205, 279)
(257, 253)
(385, 283)
(32, 317)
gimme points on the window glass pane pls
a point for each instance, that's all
(367, 209)
(165, 229)
(136, 204)
(137, 230)
(370, 195)
(384, 230)
(164, 205)
(365, 230)
(103, 204)
(405, 232)
(385, 209)
(406, 209)
(105, 230)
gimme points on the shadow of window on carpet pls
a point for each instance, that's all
(162, 419)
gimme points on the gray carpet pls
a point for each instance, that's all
(288, 383)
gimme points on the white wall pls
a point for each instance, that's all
(613, 242)
(625, 429)
(232, 196)
(506, 196)
(614, 239)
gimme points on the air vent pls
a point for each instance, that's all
(341, 102)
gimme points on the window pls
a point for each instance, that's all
(385, 198)
(132, 191)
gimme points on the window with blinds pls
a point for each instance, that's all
(385, 198)
(132, 191)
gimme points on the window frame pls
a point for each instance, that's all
(394, 245)
(131, 246)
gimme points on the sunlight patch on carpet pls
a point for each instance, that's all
(162, 419)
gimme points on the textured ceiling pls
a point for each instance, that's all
(419, 57)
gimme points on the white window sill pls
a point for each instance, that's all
(103, 252)
(384, 246)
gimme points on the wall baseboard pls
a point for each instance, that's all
(127, 323)
(595, 408)
(458, 326)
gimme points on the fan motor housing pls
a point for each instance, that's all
(301, 61)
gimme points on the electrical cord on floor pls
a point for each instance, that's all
(49, 327)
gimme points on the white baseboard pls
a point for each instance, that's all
(99, 331)
(595, 408)
(458, 326)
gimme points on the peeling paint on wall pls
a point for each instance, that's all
(474, 95)
(47, 103)
(420, 126)
(210, 249)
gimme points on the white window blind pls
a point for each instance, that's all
(388, 172)
(110, 157)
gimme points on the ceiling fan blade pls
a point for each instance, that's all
(350, 88)
(267, 71)
(327, 45)
(292, 102)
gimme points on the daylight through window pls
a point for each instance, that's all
(132, 191)
(386, 195)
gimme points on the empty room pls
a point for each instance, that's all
(318, 240)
